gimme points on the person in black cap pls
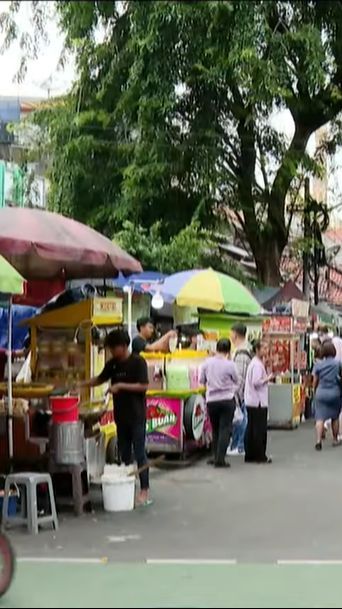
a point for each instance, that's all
(127, 373)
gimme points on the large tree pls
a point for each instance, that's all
(171, 115)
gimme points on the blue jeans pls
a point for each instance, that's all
(239, 431)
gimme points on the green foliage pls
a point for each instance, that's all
(192, 248)
(169, 120)
(187, 249)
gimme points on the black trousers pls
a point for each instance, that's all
(132, 436)
(256, 435)
(221, 416)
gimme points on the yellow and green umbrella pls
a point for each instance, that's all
(208, 289)
(11, 283)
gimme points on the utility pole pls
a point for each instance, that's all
(306, 235)
(316, 255)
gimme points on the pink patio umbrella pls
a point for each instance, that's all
(46, 245)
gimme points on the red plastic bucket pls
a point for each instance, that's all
(64, 409)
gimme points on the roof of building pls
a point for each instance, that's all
(283, 294)
(264, 294)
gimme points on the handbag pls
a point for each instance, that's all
(238, 415)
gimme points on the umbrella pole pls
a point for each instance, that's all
(129, 311)
(9, 380)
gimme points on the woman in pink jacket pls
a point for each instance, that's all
(256, 400)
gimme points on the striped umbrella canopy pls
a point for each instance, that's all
(208, 289)
(46, 245)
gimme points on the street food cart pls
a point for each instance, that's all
(177, 421)
(286, 359)
(67, 343)
(66, 348)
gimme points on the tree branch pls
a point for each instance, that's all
(262, 162)
(292, 210)
(285, 174)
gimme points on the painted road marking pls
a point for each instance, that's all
(175, 561)
(191, 561)
(63, 560)
(309, 562)
(123, 538)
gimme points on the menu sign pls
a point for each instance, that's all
(277, 324)
(207, 341)
(300, 308)
(107, 309)
(300, 325)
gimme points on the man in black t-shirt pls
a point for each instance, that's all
(141, 342)
(128, 376)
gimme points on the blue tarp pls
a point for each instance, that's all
(142, 280)
(9, 109)
(19, 333)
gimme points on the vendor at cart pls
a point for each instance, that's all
(127, 373)
(188, 336)
(146, 330)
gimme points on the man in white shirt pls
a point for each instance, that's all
(337, 342)
(325, 335)
(242, 359)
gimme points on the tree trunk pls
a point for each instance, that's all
(267, 257)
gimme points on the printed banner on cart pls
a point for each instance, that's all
(164, 420)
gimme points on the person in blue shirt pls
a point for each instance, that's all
(327, 388)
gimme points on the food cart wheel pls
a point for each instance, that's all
(112, 452)
(194, 417)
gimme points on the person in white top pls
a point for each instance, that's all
(256, 400)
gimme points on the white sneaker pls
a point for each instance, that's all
(232, 453)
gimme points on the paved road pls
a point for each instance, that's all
(255, 516)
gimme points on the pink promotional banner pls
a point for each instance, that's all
(164, 420)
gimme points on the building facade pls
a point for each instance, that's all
(22, 183)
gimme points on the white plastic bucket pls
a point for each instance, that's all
(118, 491)
(118, 471)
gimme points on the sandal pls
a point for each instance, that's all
(144, 503)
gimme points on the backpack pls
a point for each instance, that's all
(243, 352)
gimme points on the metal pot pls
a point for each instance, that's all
(95, 448)
(67, 443)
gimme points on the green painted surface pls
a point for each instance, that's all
(222, 324)
(18, 186)
(133, 585)
(2, 183)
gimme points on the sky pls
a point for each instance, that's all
(42, 74)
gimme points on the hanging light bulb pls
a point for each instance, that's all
(157, 301)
